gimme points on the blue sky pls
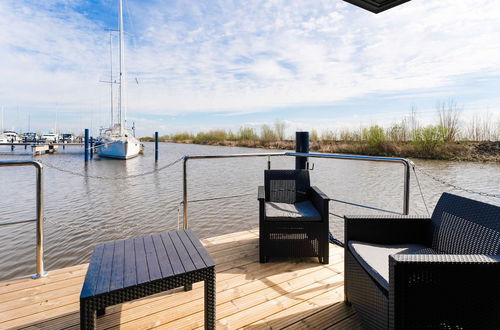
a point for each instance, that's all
(224, 64)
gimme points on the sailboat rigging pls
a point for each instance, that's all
(117, 141)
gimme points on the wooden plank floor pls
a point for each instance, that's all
(292, 294)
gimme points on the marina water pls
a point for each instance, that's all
(100, 205)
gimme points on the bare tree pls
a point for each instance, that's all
(328, 135)
(412, 123)
(496, 136)
(449, 115)
(313, 136)
(481, 128)
(279, 129)
(267, 134)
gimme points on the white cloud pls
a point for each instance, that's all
(230, 56)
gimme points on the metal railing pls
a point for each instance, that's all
(405, 162)
(39, 211)
(184, 173)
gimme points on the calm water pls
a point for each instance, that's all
(82, 211)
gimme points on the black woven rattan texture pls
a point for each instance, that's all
(292, 237)
(455, 289)
(365, 294)
(90, 305)
(125, 270)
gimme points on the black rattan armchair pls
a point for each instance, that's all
(418, 273)
(293, 218)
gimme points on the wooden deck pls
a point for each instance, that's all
(280, 294)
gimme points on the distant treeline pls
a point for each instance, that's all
(449, 138)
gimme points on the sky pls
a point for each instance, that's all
(199, 65)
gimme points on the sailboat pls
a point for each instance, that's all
(117, 141)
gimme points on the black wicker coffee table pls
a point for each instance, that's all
(129, 269)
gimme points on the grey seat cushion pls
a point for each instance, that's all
(303, 211)
(375, 257)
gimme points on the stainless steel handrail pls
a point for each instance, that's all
(184, 169)
(39, 211)
(406, 163)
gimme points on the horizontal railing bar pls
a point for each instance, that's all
(365, 206)
(407, 164)
(259, 154)
(16, 222)
(21, 163)
(298, 154)
(350, 157)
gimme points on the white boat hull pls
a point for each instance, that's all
(120, 149)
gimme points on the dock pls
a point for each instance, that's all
(15, 144)
(43, 149)
(280, 294)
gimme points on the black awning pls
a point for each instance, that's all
(376, 6)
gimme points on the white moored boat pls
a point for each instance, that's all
(117, 141)
(9, 137)
(120, 145)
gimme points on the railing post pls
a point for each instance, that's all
(86, 145)
(406, 202)
(39, 222)
(302, 146)
(39, 212)
(156, 146)
(184, 193)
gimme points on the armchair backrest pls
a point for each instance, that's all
(464, 226)
(286, 186)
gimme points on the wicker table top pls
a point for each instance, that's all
(126, 263)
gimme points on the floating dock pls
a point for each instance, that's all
(41, 144)
(291, 294)
(44, 149)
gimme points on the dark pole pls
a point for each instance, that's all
(302, 146)
(91, 147)
(156, 146)
(86, 145)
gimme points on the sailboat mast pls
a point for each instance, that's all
(122, 69)
(111, 72)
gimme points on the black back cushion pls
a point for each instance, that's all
(286, 186)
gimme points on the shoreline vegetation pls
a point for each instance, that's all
(450, 139)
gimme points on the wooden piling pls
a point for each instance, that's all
(91, 147)
(86, 145)
(156, 146)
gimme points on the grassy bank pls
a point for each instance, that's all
(455, 151)
(450, 139)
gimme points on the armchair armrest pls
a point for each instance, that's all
(320, 201)
(261, 193)
(438, 290)
(387, 229)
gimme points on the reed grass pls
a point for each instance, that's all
(450, 139)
